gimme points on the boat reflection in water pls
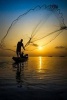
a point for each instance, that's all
(19, 68)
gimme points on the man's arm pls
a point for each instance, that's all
(23, 46)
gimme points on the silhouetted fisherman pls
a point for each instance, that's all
(19, 45)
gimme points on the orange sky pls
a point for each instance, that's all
(36, 25)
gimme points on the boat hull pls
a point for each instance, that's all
(19, 59)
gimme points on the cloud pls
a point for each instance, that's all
(61, 47)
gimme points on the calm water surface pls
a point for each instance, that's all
(45, 73)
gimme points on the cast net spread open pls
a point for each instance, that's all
(37, 27)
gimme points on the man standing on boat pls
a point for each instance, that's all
(19, 45)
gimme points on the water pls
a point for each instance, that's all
(41, 78)
(37, 73)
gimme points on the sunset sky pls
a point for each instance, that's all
(34, 23)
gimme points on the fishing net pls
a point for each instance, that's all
(37, 27)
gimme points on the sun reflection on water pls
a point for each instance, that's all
(40, 64)
(40, 59)
(40, 69)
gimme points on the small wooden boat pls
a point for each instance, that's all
(20, 59)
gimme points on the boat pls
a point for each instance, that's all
(20, 59)
(61, 56)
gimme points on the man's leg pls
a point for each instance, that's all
(17, 54)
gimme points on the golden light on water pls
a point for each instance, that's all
(40, 69)
(40, 63)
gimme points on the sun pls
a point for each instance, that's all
(40, 47)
